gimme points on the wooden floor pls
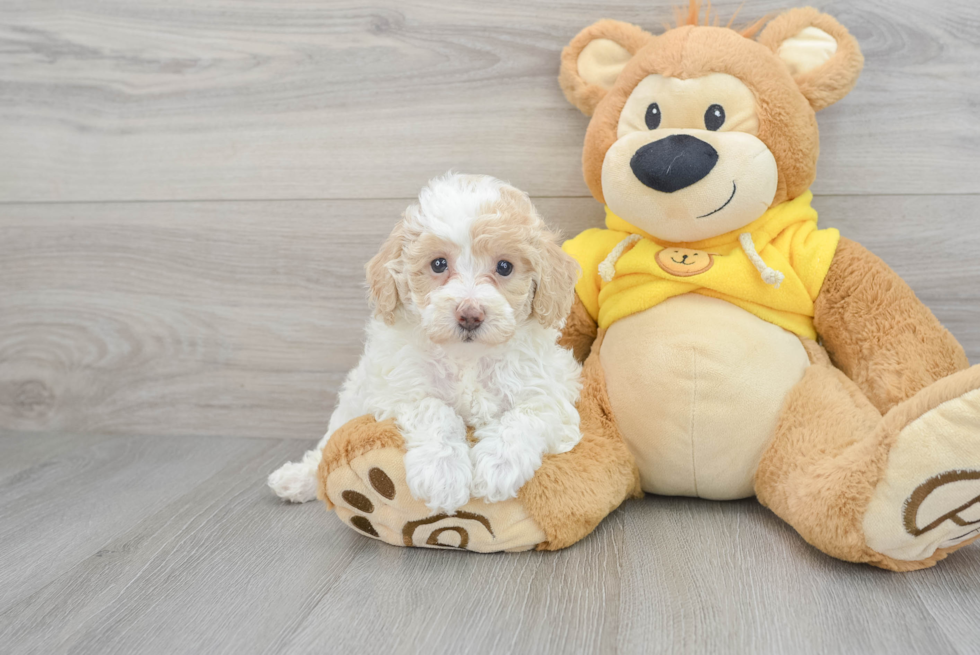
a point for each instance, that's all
(188, 193)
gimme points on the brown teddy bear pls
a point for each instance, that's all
(731, 347)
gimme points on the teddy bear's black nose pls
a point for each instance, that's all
(673, 162)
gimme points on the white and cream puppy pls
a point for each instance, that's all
(469, 292)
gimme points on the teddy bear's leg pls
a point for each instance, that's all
(572, 492)
(362, 477)
(900, 491)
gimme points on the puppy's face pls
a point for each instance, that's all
(478, 290)
(472, 261)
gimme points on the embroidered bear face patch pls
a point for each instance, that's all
(684, 262)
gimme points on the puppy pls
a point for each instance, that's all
(469, 293)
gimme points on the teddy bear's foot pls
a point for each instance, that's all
(362, 476)
(927, 502)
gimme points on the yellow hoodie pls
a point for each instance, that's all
(773, 267)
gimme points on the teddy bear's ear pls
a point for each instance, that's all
(821, 54)
(592, 61)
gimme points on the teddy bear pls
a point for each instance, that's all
(731, 347)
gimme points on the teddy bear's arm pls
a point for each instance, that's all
(579, 331)
(878, 333)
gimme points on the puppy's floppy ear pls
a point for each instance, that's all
(593, 60)
(557, 274)
(381, 271)
(822, 56)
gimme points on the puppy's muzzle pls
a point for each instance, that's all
(469, 315)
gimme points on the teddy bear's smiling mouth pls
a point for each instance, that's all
(723, 206)
(683, 262)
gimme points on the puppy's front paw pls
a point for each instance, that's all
(499, 470)
(439, 474)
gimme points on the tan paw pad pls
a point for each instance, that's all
(953, 497)
(371, 495)
(929, 497)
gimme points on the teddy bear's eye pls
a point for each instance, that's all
(504, 268)
(714, 117)
(439, 265)
(653, 116)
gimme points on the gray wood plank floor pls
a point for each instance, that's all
(199, 558)
(188, 193)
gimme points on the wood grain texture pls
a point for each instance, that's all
(136, 337)
(279, 99)
(66, 505)
(217, 565)
(242, 318)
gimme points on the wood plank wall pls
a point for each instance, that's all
(189, 191)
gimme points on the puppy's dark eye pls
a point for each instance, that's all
(714, 117)
(439, 265)
(653, 116)
(504, 268)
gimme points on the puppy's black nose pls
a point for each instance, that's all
(674, 162)
(469, 316)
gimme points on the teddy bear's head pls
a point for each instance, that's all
(699, 130)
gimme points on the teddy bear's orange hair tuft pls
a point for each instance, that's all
(693, 17)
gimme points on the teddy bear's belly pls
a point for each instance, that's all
(696, 384)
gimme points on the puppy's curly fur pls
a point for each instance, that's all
(469, 291)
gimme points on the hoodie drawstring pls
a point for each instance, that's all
(769, 275)
(607, 269)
